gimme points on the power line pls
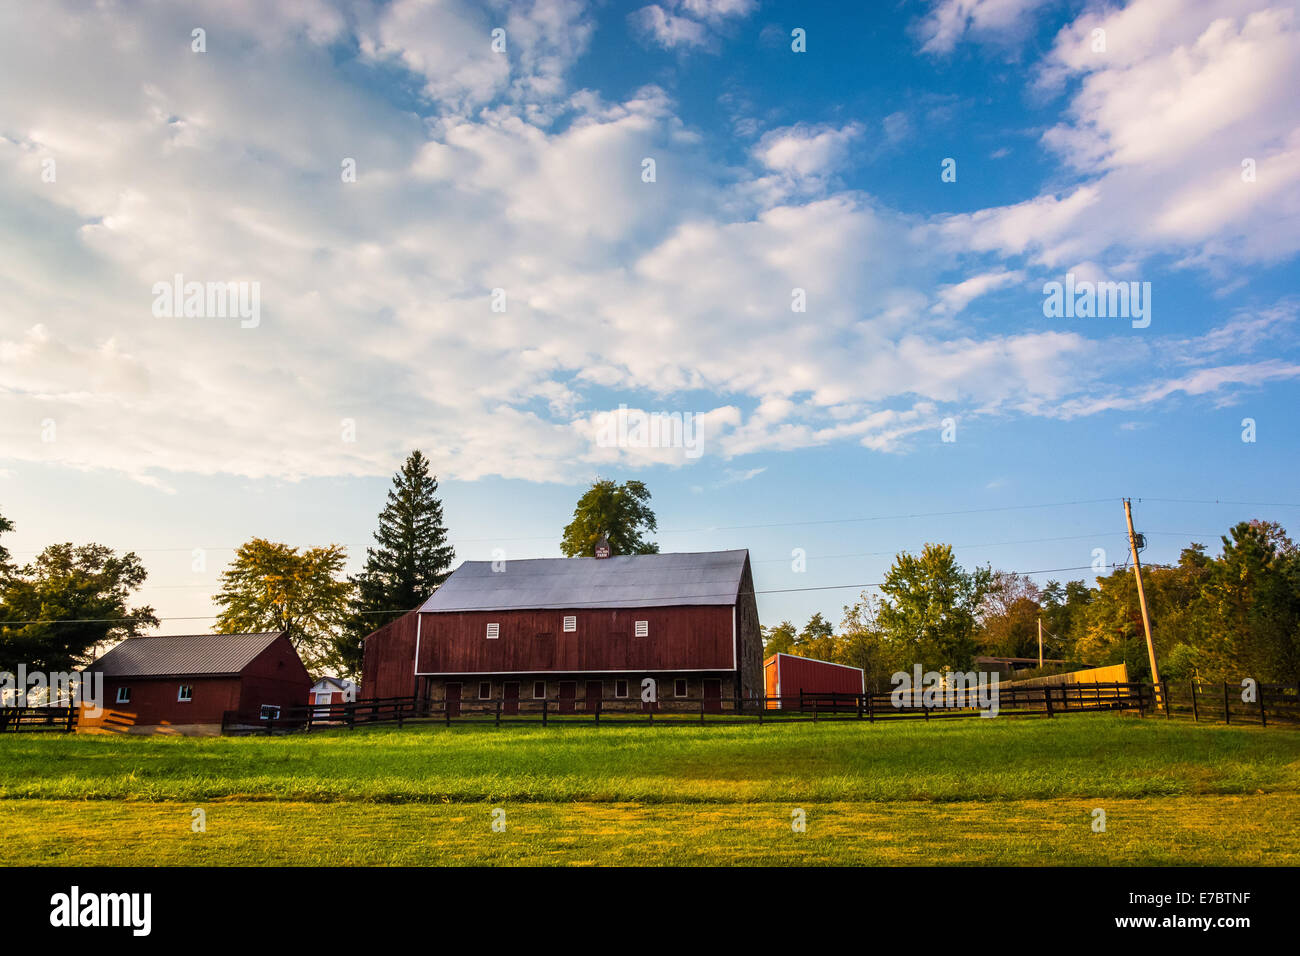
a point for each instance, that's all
(1222, 501)
(796, 524)
(833, 557)
(508, 607)
(710, 529)
(897, 517)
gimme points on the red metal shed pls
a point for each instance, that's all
(187, 684)
(787, 676)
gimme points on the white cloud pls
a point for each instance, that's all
(688, 24)
(954, 298)
(449, 45)
(376, 295)
(807, 151)
(1158, 130)
(950, 21)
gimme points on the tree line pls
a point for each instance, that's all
(1212, 618)
(70, 603)
(62, 609)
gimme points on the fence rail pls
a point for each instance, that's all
(1201, 702)
(15, 720)
(1230, 703)
(1042, 701)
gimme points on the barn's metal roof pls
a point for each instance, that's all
(630, 580)
(183, 656)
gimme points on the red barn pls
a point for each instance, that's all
(577, 631)
(788, 676)
(187, 684)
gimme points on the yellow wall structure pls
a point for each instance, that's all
(1110, 674)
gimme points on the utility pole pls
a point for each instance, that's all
(1040, 643)
(1142, 598)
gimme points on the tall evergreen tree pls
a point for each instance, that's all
(411, 559)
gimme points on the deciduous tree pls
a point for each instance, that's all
(620, 513)
(271, 586)
(57, 609)
(930, 605)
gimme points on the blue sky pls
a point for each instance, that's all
(126, 157)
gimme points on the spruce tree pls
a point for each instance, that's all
(410, 560)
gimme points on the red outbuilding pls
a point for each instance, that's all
(792, 678)
(194, 684)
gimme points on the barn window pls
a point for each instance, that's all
(484, 689)
(620, 688)
(124, 695)
(493, 631)
(539, 689)
(570, 623)
(186, 692)
(642, 628)
(270, 712)
(679, 687)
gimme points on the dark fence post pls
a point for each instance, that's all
(762, 706)
(1227, 714)
(544, 709)
(871, 710)
(1164, 692)
(1259, 696)
(1047, 698)
(1195, 714)
(498, 712)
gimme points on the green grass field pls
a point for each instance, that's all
(1004, 791)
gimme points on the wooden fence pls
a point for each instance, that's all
(320, 716)
(1230, 704)
(18, 720)
(1045, 701)
(1201, 702)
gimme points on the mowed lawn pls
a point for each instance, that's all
(967, 791)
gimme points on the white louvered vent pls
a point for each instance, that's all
(570, 623)
(493, 631)
(642, 628)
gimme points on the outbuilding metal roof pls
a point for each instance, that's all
(183, 656)
(630, 580)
